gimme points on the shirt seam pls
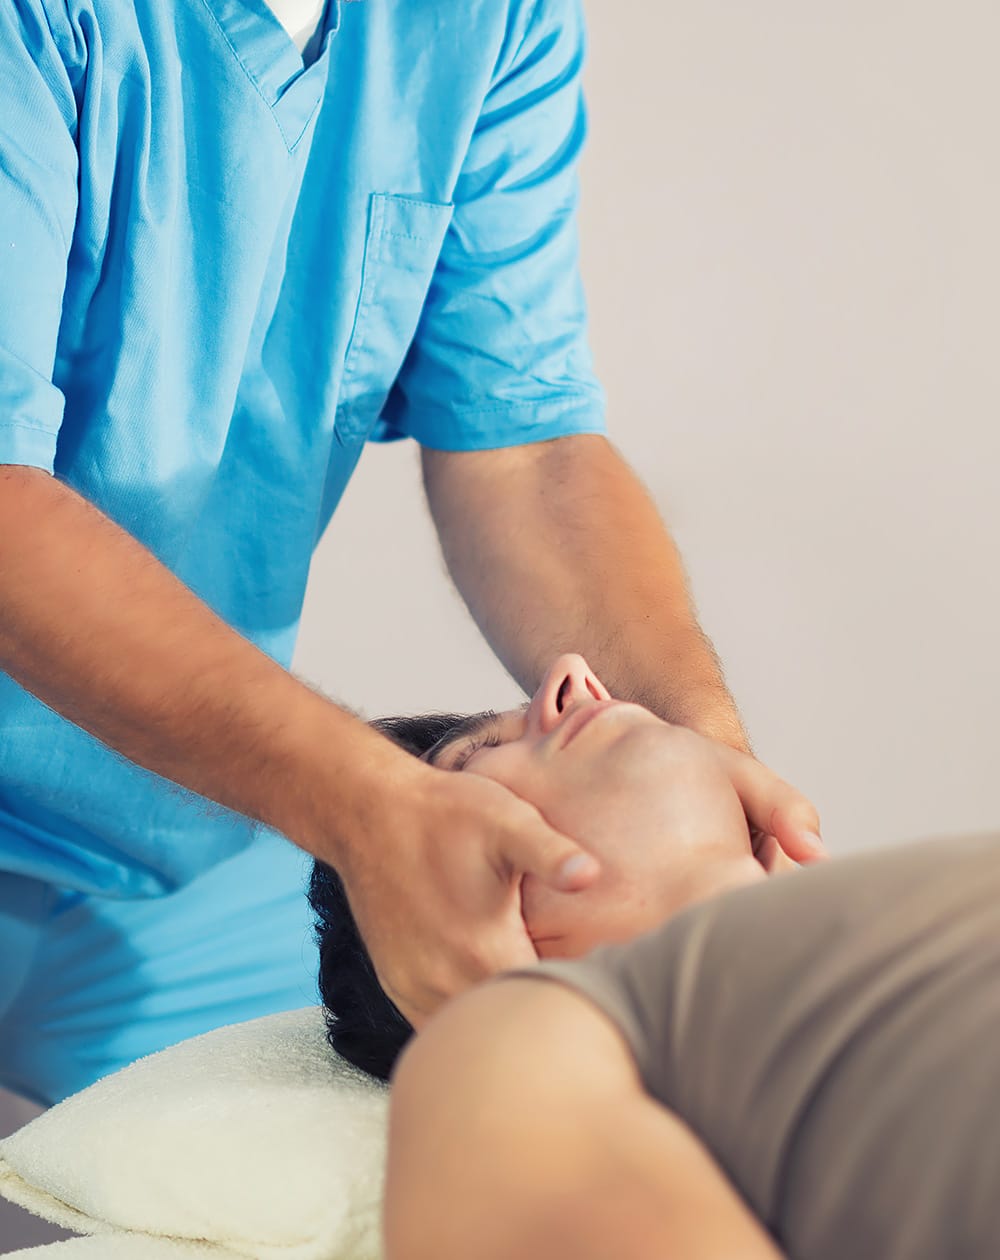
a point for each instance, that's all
(29, 425)
(565, 396)
(290, 145)
(235, 51)
(404, 236)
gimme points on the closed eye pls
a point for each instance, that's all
(488, 739)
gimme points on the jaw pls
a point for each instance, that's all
(618, 912)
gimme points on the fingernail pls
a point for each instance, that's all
(814, 841)
(571, 870)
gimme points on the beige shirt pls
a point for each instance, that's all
(833, 1035)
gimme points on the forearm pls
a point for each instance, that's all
(96, 627)
(556, 548)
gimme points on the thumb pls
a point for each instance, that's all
(550, 856)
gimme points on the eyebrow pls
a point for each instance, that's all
(467, 728)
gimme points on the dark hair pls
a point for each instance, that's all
(363, 1024)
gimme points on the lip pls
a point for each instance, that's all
(576, 723)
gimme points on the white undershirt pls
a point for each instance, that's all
(300, 18)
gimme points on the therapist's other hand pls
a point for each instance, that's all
(784, 824)
(437, 896)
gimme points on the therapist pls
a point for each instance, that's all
(237, 243)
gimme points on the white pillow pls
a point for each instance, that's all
(255, 1137)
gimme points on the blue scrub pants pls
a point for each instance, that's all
(88, 984)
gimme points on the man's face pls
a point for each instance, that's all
(650, 800)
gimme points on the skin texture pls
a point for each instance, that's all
(651, 801)
(504, 1145)
(557, 546)
(563, 546)
(101, 631)
(575, 1160)
(552, 545)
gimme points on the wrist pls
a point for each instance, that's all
(716, 718)
(345, 782)
(705, 707)
(679, 678)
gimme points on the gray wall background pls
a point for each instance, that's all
(790, 250)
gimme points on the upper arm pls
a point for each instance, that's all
(519, 1127)
(485, 476)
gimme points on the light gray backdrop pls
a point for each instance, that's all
(790, 249)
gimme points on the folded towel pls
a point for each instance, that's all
(124, 1247)
(255, 1137)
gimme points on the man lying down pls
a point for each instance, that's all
(803, 1066)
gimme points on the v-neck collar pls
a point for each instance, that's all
(272, 61)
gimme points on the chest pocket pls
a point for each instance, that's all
(401, 250)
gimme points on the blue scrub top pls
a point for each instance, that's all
(221, 272)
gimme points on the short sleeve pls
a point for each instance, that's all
(501, 355)
(38, 204)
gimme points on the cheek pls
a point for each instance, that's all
(511, 767)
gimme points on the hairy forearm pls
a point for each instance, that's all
(557, 547)
(96, 627)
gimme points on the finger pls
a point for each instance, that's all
(764, 847)
(538, 849)
(775, 807)
(800, 845)
(772, 856)
(502, 949)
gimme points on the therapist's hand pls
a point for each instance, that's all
(437, 895)
(784, 824)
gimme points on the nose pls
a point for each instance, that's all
(568, 682)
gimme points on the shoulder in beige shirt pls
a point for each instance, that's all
(833, 1035)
